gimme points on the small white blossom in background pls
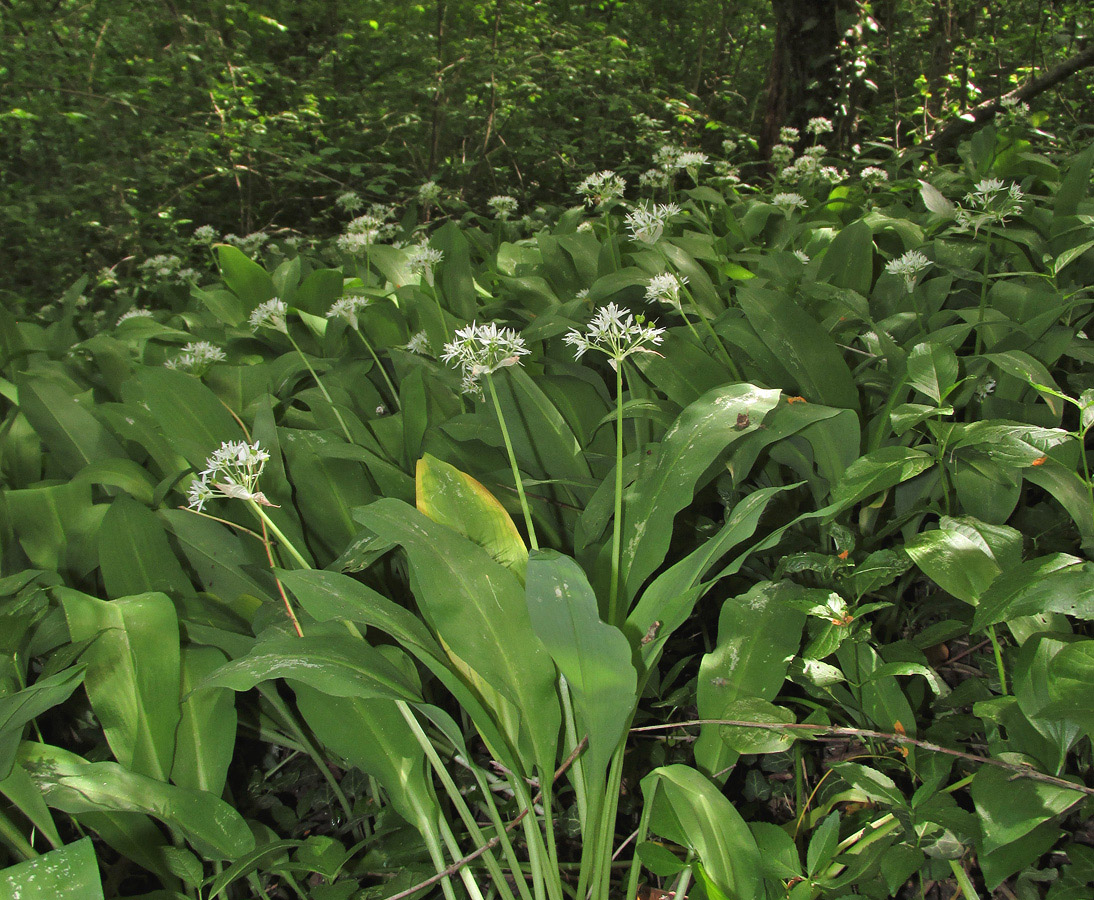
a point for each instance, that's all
(602, 187)
(349, 202)
(909, 266)
(726, 172)
(271, 314)
(419, 344)
(872, 176)
(665, 288)
(250, 243)
(788, 135)
(788, 202)
(818, 125)
(655, 178)
(357, 242)
(781, 155)
(429, 192)
(196, 357)
(728, 147)
(802, 256)
(617, 333)
(347, 309)
(502, 206)
(647, 222)
(482, 350)
(691, 160)
(293, 241)
(206, 234)
(421, 258)
(986, 386)
(583, 294)
(816, 151)
(991, 202)
(162, 265)
(134, 314)
(232, 472)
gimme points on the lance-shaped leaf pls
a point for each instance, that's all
(1054, 583)
(69, 872)
(932, 370)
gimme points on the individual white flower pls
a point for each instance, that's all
(665, 288)
(985, 387)
(647, 222)
(602, 187)
(873, 176)
(271, 314)
(818, 125)
(135, 314)
(206, 234)
(803, 256)
(232, 471)
(429, 192)
(617, 333)
(347, 309)
(582, 294)
(909, 265)
(502, 206)
(419, 343)
(421, 258)
(788, 202)
(483, 349)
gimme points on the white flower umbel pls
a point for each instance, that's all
(196, 357)
(502, 206)
(206, 234)
(601, 188)
(419, 343)
(788, 202)
(819, 125)
(357, 243)
(991, 202)
(480, 351)
(349, 202)
(421, 259)
(647, 222)
(348, 308)
(484, 349)
(909, 266)
(232, 472)
(872, 176)
(272, 314)
(429, 192)
(789, 135)
(617, 333)
(134, 314)
(665, 288)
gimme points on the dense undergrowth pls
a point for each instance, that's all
(732, 542)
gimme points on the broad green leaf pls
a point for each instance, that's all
(1068, 489)
(849, 261)
(132, 677)
(802, 346)
(456, 281)
(690, 809)
(758, 634)
(478, 610)
(1029, 370)
(206, 736)
(56, 525)
(1010, 807)
(73, 435)
(25, 796)
(447, 495)
(334, 663)
(878, 471)
(222, 561)
(680, 370)
(932, 370)
(249, 862)
(594, 657)
(1070, 674)
(822, 844)
(699, 436)
(742, 739)
(70, 873)
(22, 706)
(1054, 583)
(74, 785)
(1033, 690)
(955, 562)
(132, 478)
(247, 279)
(134, 555)
(883, 702)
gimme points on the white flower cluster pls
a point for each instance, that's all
(482, 350)
(872, 176)
(347, 309)
(349, 202)
(647, 222)
(602, 187)
(788, 135)
(429, 192)
(232, 471)
(421, 258)
(781, 155)
(991, 202)
(196, 357)
(909, 265)
(271, 314)
(665, 288)
(250, 243)
(617, 333)
(788, 202)
(502, 206)
(163, 266)
(419, 343)
(691, 160)
(819, 125)
(206, 234)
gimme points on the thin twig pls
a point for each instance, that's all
(837, 731)
(494, 841)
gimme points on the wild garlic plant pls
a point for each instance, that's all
(347, 309)
(479, 351)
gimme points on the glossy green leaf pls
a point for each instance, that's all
(134, 555)
(19, 708)
(206, 737)
(932, 370)
(878, 471)
(742, 739)
(1010, 808)
(849, 259)
(74, 785)
(1054, 583)
(71, 433)
(690, 809)
(247, 279)
(70, 873)
(132, 675)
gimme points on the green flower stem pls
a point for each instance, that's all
(379, 365)
(983, 299)
(454, 851)
(322, 387)
(457, 798)
(499, 827)
(513, 462)
(999, 667)
(570, 743)
(600, 870)
(15, 839)
(617, 523)
(284, 541)
(639, 836)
